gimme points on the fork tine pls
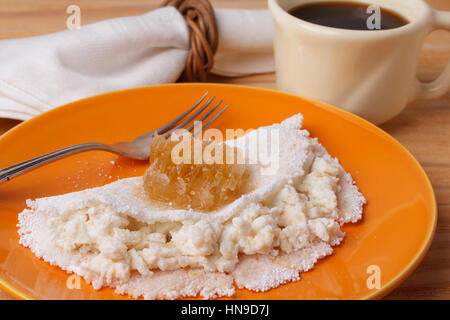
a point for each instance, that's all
(191, 118)
(211, 120)
(169, 125)
(205, 115)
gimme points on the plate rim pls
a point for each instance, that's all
(378, 293)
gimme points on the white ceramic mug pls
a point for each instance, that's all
(369, 73)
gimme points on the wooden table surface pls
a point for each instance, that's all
(423, 127)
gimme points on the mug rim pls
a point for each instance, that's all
(411, 26)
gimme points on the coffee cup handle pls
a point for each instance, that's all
(441, 85)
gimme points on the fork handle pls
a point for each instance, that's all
(8, 173)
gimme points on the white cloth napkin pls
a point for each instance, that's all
(43, 72)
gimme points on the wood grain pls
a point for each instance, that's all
(423, 127)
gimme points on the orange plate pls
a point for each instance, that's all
(395, 233)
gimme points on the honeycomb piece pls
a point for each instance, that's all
(184, 185)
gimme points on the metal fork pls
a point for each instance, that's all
(139, 148)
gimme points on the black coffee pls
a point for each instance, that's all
(346, 15)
